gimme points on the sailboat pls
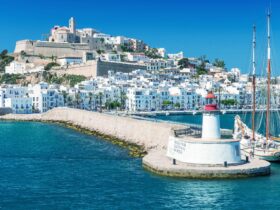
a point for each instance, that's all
(253, 144)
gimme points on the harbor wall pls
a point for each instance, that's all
(151, 135)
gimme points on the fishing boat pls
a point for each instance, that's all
(252, 143)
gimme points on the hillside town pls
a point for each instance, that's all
(116, 73)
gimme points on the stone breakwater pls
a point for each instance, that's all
(147, 134)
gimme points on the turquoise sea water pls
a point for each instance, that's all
(44, 166)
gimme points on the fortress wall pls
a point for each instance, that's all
(50, 48)
(24, 45)
(103, 67)
(98, 68)
(88, 70)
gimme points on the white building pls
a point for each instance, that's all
(45, 98)
(66, 60)
(112, 57)
(161, 52)
(16, 67)
(19, 105)
(11, 91)
(156, 64)
(140, 99)
(177, 56)
(137, 57)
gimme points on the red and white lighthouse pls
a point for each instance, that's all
(211, 118)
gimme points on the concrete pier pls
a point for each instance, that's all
(157, 162)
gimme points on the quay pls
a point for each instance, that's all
(152, 136)
(192, 112)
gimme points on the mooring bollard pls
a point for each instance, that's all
(225, 164)
(174, 161)
(247, 159)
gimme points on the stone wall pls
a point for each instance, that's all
(88, 70)
(51, 49)
(103, 67)
(98, 68)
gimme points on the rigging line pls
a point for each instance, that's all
(260, 121)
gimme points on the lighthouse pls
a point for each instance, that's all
(211, 118)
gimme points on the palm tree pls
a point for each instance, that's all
(69, 101)
(64, 97)
(123, 100)
(78, 99)
(100, 94)
(90, 100)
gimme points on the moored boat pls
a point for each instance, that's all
(253, 144)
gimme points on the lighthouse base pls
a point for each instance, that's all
(158, 163)
(204, 151)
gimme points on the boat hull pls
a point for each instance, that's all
(261, 154)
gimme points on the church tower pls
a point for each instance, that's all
(72, 25)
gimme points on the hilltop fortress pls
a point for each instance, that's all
(72, 42)
(94, 52)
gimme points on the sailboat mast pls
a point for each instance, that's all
(268, 77)
(254, 84)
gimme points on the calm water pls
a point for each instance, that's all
(227, 120)
(45, 166)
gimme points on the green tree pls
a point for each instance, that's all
(203, 59)
(126, 48)
(100, 96)
(183, 63)
(219, 63)
(200, 70)
(166, 103)
(90, 100)
(228, 102)
(49, 66)
(5, 60)
(11, 78)
(4, 53)
(78, 99)
(177, 105)
(123, 100)
(64, 93)
(152, 53)
(74, 79)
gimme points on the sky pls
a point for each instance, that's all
(215, 28)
